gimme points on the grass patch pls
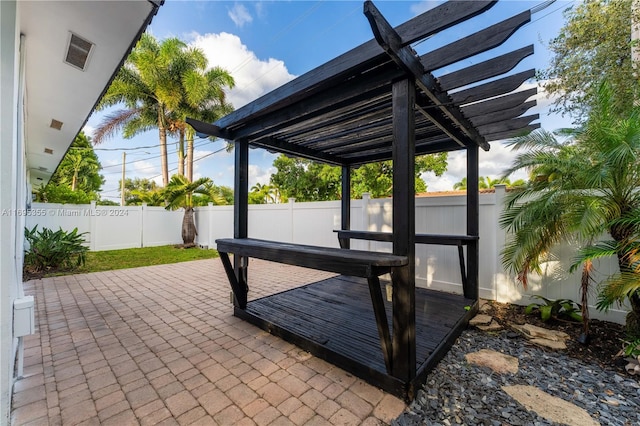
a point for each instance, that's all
(97, 261)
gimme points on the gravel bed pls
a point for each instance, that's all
(457, 393)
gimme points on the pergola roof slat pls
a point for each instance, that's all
(475, 43)
(512, 133)
(484, 70)
(498, 104)
(494, 88)
(502, 115)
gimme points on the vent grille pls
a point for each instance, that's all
(48, 151)
(55, 124)
(78, 52)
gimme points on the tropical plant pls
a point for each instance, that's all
(487, 182)
(548, 309)
(179, 194)
(583, 187)
(264, 194)
(211, 193)
(50, 250)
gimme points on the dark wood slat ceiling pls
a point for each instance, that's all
(341, 112)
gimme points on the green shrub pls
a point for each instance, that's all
(561, 308)
(52, 250)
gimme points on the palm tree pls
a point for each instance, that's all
(460, 186)
(179, 194)
(581, 189)
(149, 85)
(80, 162)
(204, 100)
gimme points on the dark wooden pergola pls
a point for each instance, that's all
(377, 102)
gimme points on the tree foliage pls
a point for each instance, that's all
(306, 180)
(487, 182)
(583, 187)
(77, 180)
(595, 44)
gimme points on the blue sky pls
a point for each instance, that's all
(264, 44)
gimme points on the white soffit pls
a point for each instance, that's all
(57, 92)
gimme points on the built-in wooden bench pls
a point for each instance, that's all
(436, 239)
(358, 263)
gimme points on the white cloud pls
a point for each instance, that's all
(145, 169)
(259, 175)
(253, 76)
(240, 15)
(89, 130)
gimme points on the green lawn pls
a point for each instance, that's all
(132, 258)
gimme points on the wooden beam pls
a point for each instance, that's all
(506, 125)
(404, 296)
(205, 129)
(513, 133)
(420, 27)
(296, 150)
(494, 88)
(381, 321)
(484, 70)
(406, 59)
(498, 104)
(476, 43)
(502, 115)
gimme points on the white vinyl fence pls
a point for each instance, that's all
(437, 267)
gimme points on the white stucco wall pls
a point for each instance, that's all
(10, 151)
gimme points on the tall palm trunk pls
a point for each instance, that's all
(162, 131)
(181, 152)
(189, 174)
(189, 231)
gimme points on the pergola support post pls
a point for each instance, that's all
(473, 223)
(403, 363)
(241, 215)
(345, 204)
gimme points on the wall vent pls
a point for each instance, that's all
(78, 51)
(55, 124)
(48, 151)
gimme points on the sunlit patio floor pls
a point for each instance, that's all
(159, 345)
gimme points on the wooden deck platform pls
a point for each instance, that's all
(334, 320)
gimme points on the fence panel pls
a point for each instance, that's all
(437, 267)
(161, 227)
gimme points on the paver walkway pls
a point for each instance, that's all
(159, 345)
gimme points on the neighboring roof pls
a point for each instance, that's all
(58, 91)
(341, 112)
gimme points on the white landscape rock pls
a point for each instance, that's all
(498, 362)
(480, 319)
(550, 407)
(544, 337)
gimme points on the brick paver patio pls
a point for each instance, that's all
(159, 345)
